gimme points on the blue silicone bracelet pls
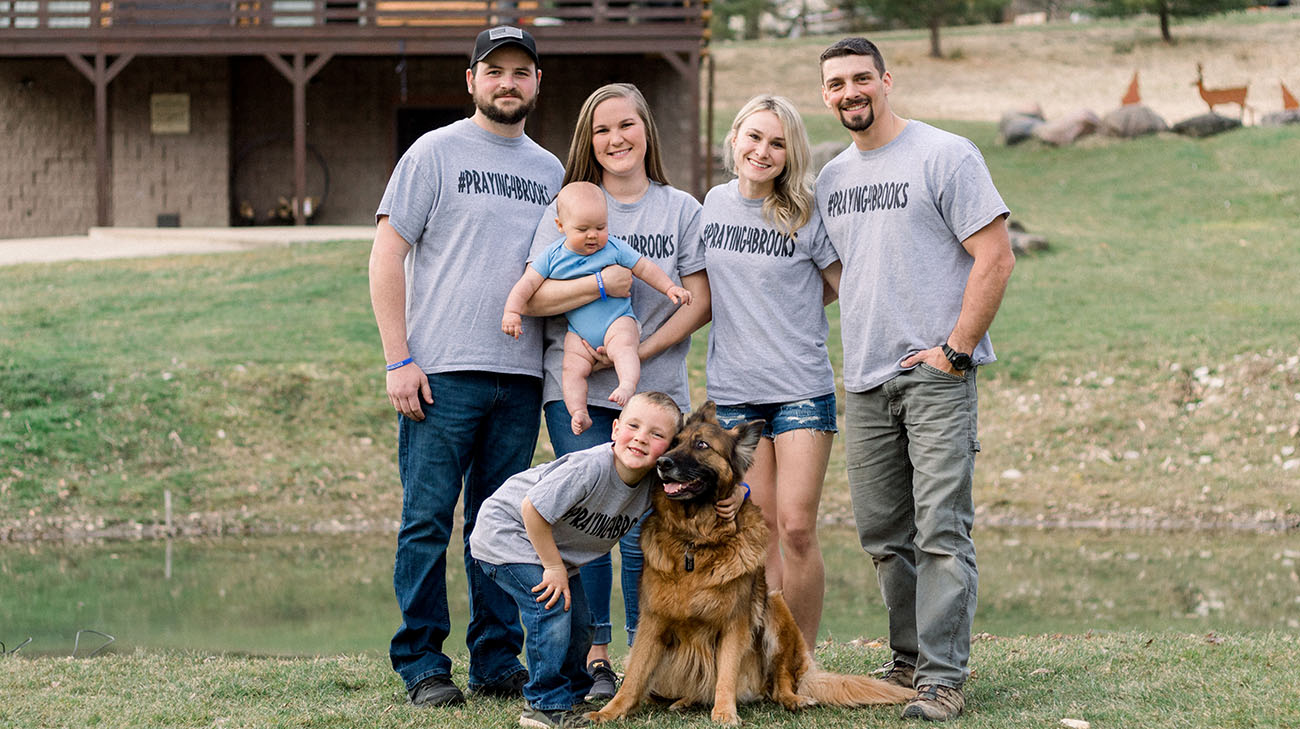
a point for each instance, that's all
(600, 284)
(395, 365)
(742, 483)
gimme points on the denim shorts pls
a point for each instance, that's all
(816, 413)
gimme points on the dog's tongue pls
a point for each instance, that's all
(673, 488)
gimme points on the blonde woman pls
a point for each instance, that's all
(771, 272)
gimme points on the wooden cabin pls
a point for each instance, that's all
(142, 113)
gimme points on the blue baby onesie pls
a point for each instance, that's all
(589, 321)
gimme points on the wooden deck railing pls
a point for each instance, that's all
(100, 17)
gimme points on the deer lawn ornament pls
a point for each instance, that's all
(1214, 97)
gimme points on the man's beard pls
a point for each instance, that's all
(500, 116)
(859, 125)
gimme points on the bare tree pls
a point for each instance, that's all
(1166, 10)
(934, 14)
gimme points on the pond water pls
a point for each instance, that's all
(333, 594)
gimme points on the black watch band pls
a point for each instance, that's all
(960, 361)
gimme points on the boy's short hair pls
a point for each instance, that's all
(854, 46)
(661, 400)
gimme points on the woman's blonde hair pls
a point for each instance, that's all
(791, 202)
(582, 165)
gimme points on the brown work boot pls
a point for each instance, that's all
(898, 674)
(935, 703)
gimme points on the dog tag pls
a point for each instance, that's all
(690, 561)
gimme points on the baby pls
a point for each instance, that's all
(586, 248)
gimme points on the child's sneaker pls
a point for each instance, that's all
(603, 678)
(555, 719)
(436, 691)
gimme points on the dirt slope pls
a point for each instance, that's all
(1062, 66)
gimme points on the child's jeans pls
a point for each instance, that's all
(555, 643)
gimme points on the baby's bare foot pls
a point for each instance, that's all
(621, 394)
(581, 421)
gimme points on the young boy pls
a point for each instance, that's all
(586, 248)
(541, 525)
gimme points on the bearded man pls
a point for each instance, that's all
(921, 233)
(462, 205)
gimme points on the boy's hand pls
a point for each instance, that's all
(512, 324)
(679, 295)
(555, 582)
(730, 506)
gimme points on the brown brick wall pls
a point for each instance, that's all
(350, 128)
(240, 143)
(186, 174)
(352, 105)
(47, 161)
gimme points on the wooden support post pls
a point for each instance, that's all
(101, 74)
(693, 76)
(299, 74)
(708, 128)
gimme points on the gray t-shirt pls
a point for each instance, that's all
(467, 201)
(663, 226)
(897, 216)
(768, 339)
(580, 494)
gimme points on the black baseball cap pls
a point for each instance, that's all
(493, 38)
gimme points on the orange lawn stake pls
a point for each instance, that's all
(1131, 97)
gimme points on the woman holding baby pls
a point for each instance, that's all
(616, 147)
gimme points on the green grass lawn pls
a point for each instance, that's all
(1153, 680)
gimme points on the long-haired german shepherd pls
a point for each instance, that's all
(709, 632)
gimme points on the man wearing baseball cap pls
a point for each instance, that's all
(453, 232)
(503, 35)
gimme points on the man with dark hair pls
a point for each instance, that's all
(921, 232)
(454, 228)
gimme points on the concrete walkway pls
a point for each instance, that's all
(103, 243)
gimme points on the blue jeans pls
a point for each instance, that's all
(910, 447)
(598, 575)
(557, 641)
(480, 430)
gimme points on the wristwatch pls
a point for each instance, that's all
(960, 361)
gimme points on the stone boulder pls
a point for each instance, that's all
(1069, 128)
(824, 152)
(1279, 118)
(1015, 127)
(1133, 120)
(1024, 242)
(1206, 125)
